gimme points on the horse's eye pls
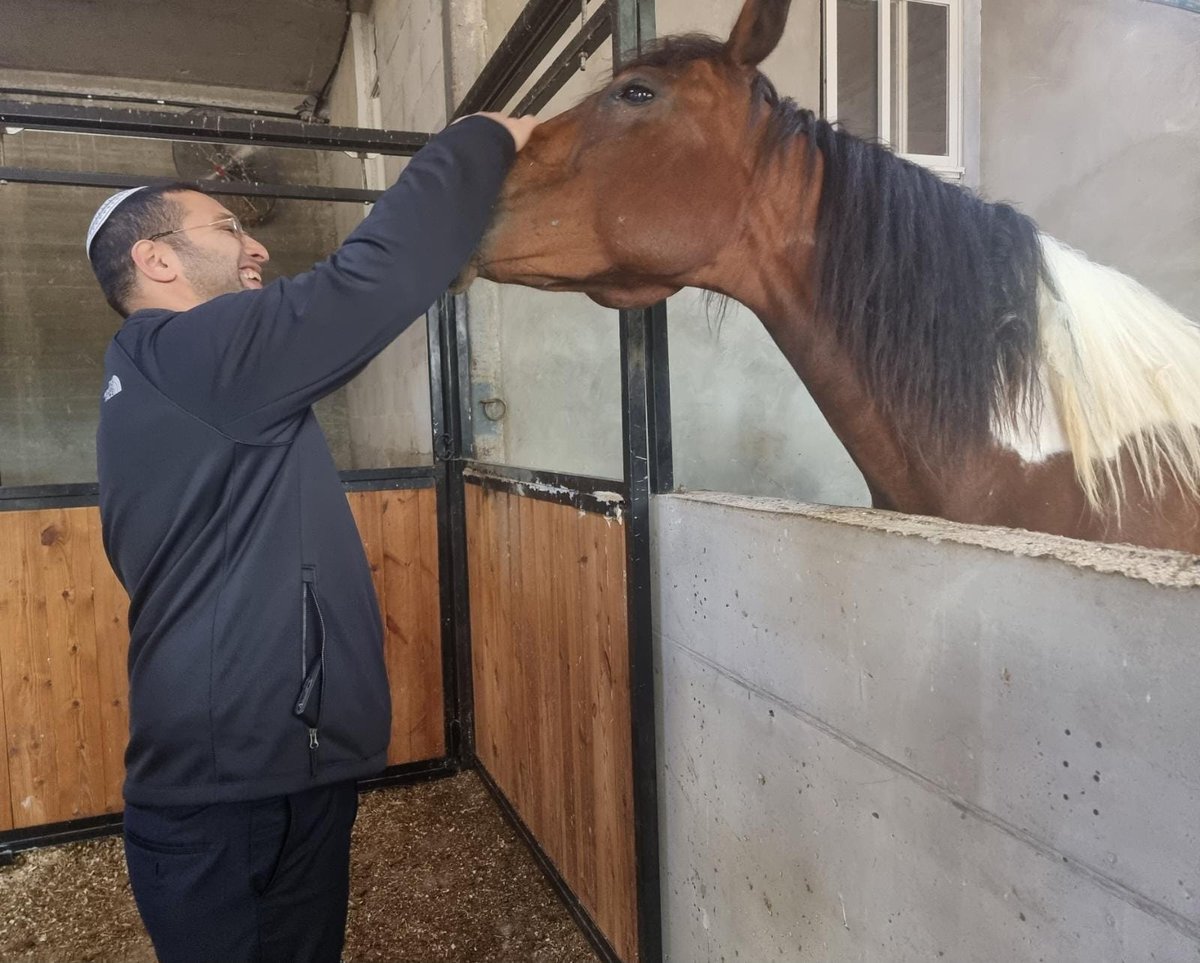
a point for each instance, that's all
(636, 94)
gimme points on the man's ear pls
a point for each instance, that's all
(154, 261)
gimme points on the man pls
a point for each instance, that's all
(258, 694)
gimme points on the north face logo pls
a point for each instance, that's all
(114, 387)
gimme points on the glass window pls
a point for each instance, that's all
(858, 73)
(925, 65)
(907, 92)
(55, 325)
(546, 367)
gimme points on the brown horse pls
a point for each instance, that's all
(975, 369)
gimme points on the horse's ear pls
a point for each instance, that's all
(757, 31)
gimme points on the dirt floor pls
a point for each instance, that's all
(436, 874)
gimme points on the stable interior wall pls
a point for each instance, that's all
(391, 76)
(1091, 125)
(64, 707)
(882, 740)
(551, 684)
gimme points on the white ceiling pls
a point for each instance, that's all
(288, 46)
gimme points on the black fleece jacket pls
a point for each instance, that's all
(223, 515)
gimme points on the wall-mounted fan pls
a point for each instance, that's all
(230, 163)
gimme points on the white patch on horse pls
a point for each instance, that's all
(1120, 370)
(1034, 442)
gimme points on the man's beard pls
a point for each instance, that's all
(209, 274)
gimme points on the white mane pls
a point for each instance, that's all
(1122, 368)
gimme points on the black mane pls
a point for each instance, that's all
(931, 290)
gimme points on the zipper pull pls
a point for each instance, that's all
(312, 739)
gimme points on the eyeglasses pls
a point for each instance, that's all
(228, 223)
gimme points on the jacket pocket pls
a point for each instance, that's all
(343, 698)
(310, 697)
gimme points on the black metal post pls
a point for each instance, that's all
(658, 389)
(635, 400)
(445, 367)
(586, 42)
(646, 426)
(211, 128)
(633, 28)
(31, 175)
(462, 380)
(538, 28)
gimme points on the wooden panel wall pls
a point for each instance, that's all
(63, 646)
(399, 532)
(551, 678)
(64, 727)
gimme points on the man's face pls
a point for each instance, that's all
(214, 258)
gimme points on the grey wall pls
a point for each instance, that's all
(886, 747)
(392, 75)
(1091, 123)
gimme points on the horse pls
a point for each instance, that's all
(974, 368)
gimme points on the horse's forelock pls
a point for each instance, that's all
(678, 51)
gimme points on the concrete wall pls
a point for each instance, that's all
(1091, 123)
(878, 746)
(392, 75)
(54, 324)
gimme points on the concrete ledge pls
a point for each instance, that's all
(1167, 569)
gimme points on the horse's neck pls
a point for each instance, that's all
(1026, 477)
(769, 266)
(897, 478)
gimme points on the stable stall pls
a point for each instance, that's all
(728, 722)
(515, 602)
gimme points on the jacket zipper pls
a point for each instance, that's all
(313, 679)
(313, 742)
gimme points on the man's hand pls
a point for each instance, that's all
(519, 127)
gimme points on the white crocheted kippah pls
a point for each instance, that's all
(105, 212)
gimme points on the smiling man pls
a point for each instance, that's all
(257, 689)
(143, 261)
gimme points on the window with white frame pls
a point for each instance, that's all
(893, 71)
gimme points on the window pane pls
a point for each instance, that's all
(55, 326)
(857, 66)
(545, 381)
(927, 89)
(742, 421)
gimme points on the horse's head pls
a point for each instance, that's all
(636, 192)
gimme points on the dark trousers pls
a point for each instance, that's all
(255, 881)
